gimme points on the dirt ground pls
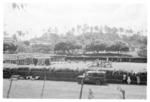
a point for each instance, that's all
(70, 90)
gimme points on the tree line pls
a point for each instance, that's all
(84, 38)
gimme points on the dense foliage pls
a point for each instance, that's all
(85, 38)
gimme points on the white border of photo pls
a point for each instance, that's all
(146, 2)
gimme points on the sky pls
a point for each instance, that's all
(36, 18)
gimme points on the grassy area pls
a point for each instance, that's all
(70, 90)
(131, 67)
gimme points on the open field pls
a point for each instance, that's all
(70, 90)
(135, 67)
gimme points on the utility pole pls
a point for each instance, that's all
(42, 93)
(82, 83)
(11, 81)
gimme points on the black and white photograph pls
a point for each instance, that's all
(70, 49)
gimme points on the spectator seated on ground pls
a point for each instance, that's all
(28, 77)
(37, 77)
(33, 78)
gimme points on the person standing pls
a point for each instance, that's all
(90, 95)
(124, 78)
(138, 79)
(128, 80)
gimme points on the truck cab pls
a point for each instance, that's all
(95, 77)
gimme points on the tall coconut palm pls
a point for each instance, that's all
(16, 6)
(20, 34)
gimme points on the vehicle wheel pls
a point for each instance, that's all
(98, 82)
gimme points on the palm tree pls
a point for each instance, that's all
(96, 28)
(20, 34)
(17, 6)
(14, 36)
(5, 34)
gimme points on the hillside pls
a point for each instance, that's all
(84, 39)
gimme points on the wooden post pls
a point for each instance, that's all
(11, 81)
(42, 93)
(82, 83)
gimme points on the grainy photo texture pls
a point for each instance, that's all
(74, 50)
